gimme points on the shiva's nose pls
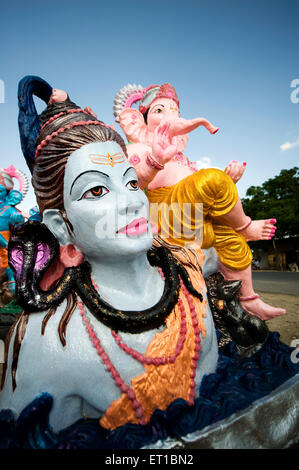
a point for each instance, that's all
(129, 206)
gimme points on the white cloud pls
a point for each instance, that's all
(204, 162)
(289, 145)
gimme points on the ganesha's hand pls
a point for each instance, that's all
(163, 148)
(235, 170)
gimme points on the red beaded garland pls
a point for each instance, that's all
(119, 382)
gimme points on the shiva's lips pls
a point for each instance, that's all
(136, 227)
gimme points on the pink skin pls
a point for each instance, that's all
(235, 170)
(260, 230)
(162, 150)
(256, 306)
(252, 231)
(261, 309)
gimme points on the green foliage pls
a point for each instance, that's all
(278, 197)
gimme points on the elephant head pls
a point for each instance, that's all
(157, 104)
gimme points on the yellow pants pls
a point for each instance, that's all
(218, 194)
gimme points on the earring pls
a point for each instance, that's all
(70, 256)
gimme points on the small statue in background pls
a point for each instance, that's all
(9, 214)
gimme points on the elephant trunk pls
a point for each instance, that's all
(184, 126)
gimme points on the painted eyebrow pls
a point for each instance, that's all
(158, 104)
(88, 171)
(128, 169)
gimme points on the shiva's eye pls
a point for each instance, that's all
(132, 185)
(95, 193)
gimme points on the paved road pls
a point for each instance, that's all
(276, 282)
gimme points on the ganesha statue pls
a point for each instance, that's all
(9, 214)
(116, 346)
(170, 178)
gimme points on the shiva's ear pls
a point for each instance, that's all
(55, 222)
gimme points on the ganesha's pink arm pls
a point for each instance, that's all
(149, 160)
(184, 126)
(140, 157)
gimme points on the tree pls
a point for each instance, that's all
(278, 197)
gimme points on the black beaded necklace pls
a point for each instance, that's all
(24, 242)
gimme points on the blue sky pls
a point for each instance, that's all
(230, 61)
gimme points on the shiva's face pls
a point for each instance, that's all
(107, 209)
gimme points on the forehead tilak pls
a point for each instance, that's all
(107, 159)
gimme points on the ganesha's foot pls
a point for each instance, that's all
(258, 230)
(255, 306)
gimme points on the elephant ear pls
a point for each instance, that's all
(133, 125)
